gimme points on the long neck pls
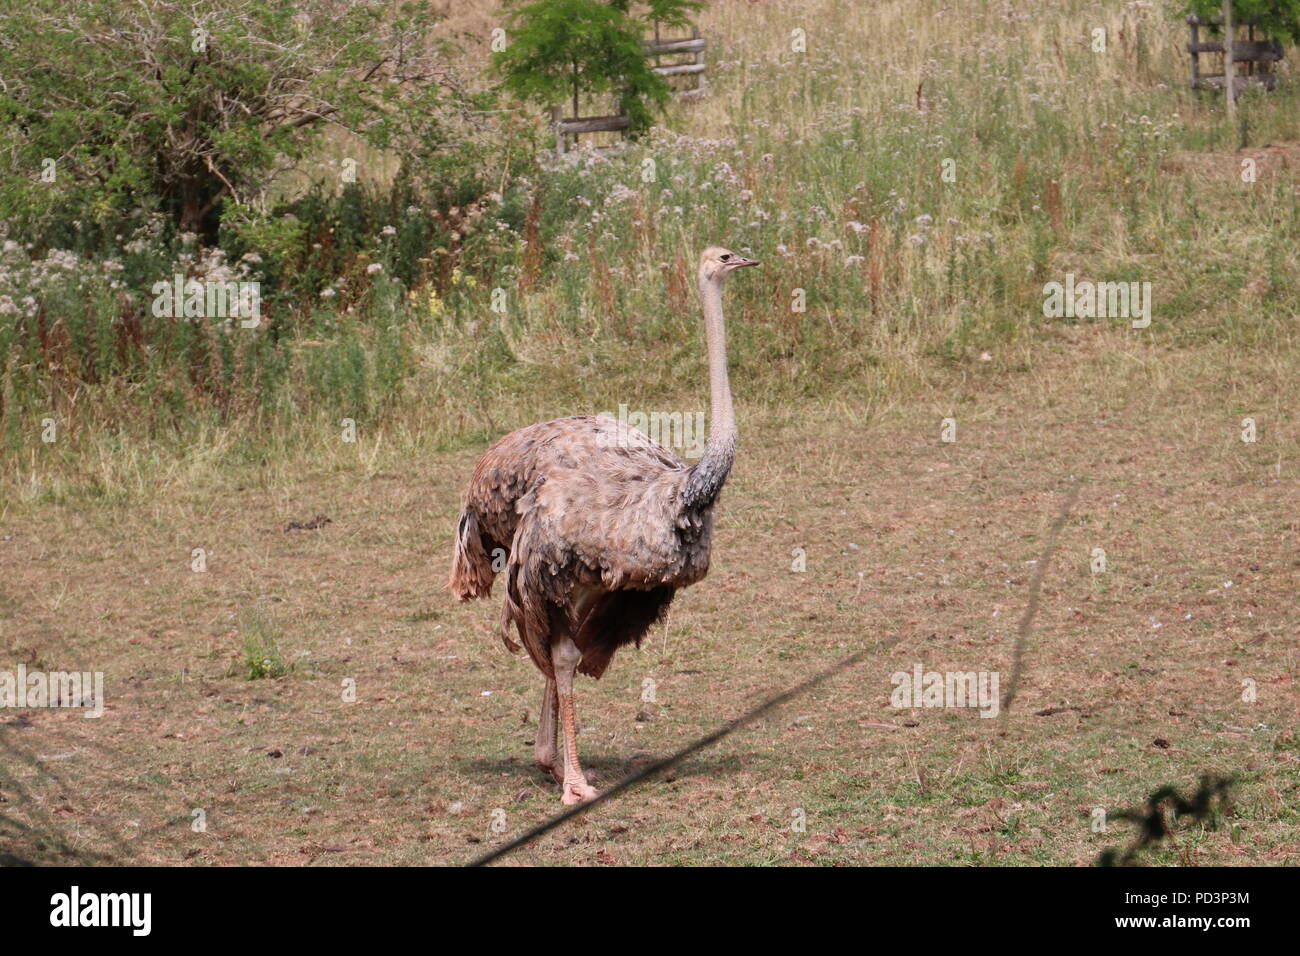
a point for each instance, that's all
(720, 451)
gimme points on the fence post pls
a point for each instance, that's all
(1229, 83)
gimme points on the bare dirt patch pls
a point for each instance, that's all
(918, 550)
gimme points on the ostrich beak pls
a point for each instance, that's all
(740, 262)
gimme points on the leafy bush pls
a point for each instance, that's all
(108, 108)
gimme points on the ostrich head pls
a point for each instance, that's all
(717, 263)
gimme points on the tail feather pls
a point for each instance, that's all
(471, 568)
(527, 607)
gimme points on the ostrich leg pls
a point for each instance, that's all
(564, 658)
(545, 754)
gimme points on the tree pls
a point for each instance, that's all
(563, 48)
(183, 107)
(1276, 18)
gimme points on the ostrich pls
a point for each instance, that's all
(600, 527)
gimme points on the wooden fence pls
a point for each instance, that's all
(1258, 56)
(692, 48)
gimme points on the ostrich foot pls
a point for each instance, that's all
(578, 791)
(555, 767)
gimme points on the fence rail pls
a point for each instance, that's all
(658, 47)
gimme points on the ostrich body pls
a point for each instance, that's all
(600, 527)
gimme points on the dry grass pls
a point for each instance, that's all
(916, 550)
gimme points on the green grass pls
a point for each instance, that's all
(825, 164)
(261, 639)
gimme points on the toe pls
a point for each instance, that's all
(578, 793)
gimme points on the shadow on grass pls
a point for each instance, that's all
(31, 835)
(609, 770)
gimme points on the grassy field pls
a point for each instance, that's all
(229, 689)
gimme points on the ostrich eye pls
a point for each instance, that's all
(726, 257)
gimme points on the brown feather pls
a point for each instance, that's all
(579, 507)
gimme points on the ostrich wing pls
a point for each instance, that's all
(576, 501)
